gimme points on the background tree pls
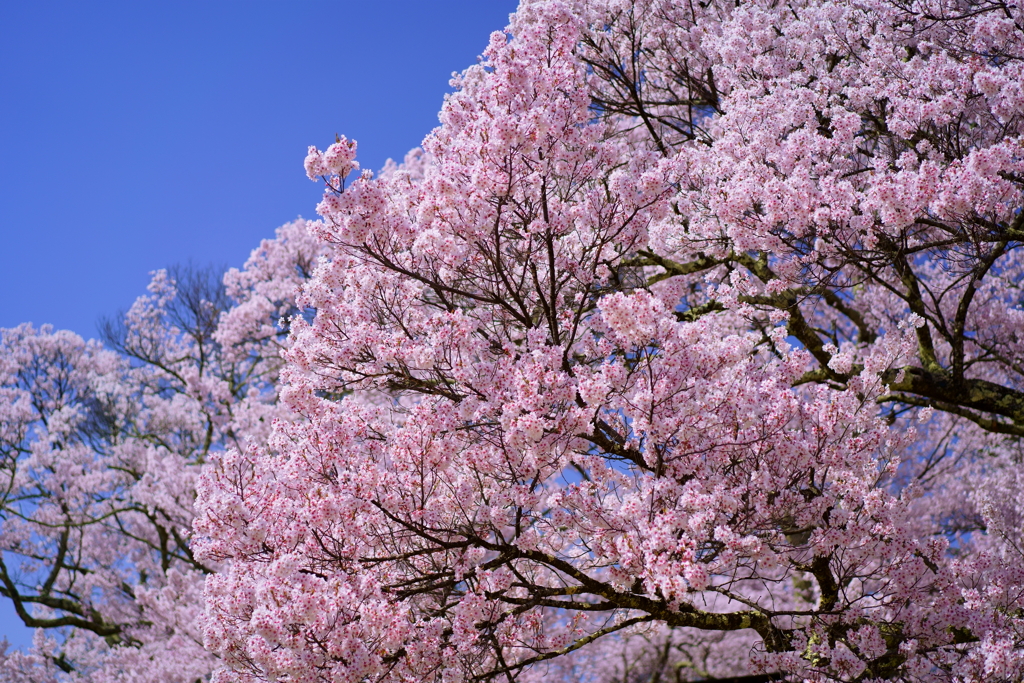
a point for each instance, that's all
(692, 319)
(101, 448)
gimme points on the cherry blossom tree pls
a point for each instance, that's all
(688, 347)
(101, 447)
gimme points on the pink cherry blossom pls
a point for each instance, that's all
(687, 347)
(693, 331)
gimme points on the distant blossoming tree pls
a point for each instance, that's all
(99, 453)
(690, 346)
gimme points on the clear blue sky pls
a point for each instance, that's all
(135, 135)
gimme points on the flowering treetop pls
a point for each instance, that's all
(688, 319)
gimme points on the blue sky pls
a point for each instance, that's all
(136, 135)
